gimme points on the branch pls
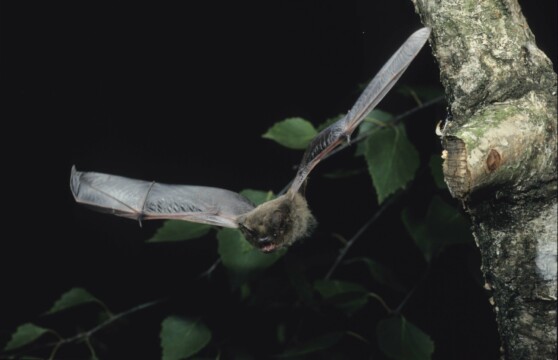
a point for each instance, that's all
(359, 233)
(500, 159)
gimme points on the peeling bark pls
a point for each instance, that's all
(500, 159)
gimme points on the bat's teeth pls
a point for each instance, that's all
(268, 248)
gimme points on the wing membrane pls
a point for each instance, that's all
(342, 129)
(144, 200)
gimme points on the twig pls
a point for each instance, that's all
(372, 220)
(410, 293)
(110, 320)
(85, 336)
(381, 301)
(211, 269)
(358, 337)
(360, 231)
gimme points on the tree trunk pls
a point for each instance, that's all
(500, 159)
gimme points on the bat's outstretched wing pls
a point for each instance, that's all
(143, 200)
(333, 135)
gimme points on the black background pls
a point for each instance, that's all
(181, 93)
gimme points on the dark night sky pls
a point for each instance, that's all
(176, 93)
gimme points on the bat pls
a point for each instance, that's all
(270, 226)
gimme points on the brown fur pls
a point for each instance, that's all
(277, 223)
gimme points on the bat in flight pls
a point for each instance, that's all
(269, 226)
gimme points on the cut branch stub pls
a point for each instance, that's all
(500, 145)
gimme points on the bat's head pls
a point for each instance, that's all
(277, 223)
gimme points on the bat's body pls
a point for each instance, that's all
(272, 225)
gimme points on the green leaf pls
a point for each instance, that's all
(331, 288)
(377, 116)
(25, 334)
(346, 296)
(401, 340)
(421, 93)
(313, 345)
(436, 171)
(257, 196)
(373, 122)
(237, 254)
(392, 160)
(293, 133)
(176, 230)
(380, 273)
(73, 297)
(240, 258)
(443, 225)
(182, 338)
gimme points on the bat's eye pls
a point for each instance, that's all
(247, 231)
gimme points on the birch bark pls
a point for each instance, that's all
(500, 159)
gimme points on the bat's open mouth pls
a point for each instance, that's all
(267, 244)
(268, 248)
